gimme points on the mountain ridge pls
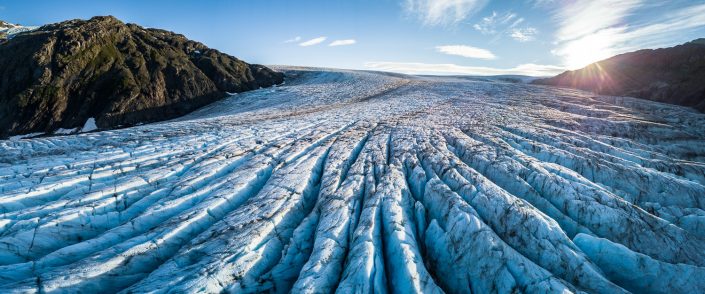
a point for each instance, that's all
(60, 75)
(674, 75)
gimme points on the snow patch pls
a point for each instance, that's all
(89, 125)
(62, 131)
(18, 137)
(11, 29)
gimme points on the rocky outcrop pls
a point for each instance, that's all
(673, 75)
(61, 75)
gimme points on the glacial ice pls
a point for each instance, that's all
(366, 182)
(89, 125)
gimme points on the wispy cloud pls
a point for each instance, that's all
(585, 17)
(443, 12)
(517, 22)
(342, 42)
(312, 42)
(505, 24)
(539, 3)
(528, 69)
(523, 34)
(293, 40)
(466, 51)
(490, 25)
(662, 30)
(588, 29)
(591, 30)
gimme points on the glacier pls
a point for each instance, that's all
(366, 182)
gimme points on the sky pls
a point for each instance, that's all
(474, 37)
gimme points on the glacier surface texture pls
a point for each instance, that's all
(364, 182)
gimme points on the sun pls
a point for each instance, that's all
(583, 51)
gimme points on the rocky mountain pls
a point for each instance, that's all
(3, 28)
(63, 75)
(673, 75)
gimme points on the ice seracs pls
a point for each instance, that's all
(363, 182)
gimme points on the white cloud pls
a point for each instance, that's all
(660, 32)
(517, 22)
(592, 30)
(584, 17)
(588, 29)
(528, 69)
(312, 42)
(443, 12)
(489, 25)
(540, 3)
(466, 51)
(505, 24)
(342, 42)
(523, 34)
(293, 40)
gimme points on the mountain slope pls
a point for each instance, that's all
(61, 75)
(673, 75)
(366, 182)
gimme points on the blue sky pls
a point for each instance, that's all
(479, 37)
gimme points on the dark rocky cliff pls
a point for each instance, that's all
(673, 75)
(60, 75)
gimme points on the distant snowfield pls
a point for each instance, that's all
(11, 29)
(363, 182)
